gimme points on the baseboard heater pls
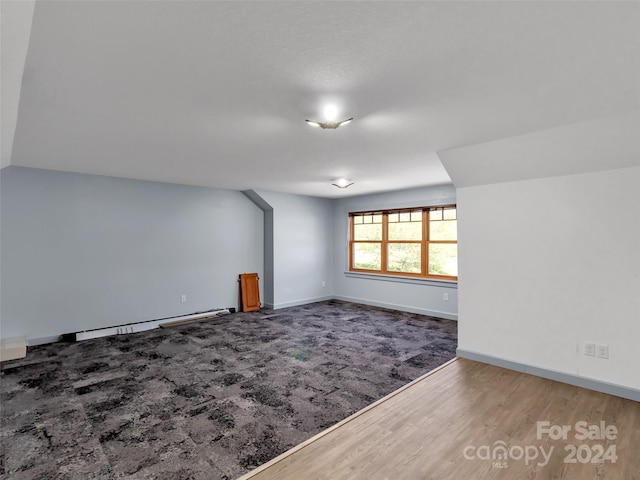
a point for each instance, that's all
(141, 326)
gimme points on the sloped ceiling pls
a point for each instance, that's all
(15, 27)
(589, 146)
(216, 93)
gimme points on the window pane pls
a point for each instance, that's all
(367, 231)
(404, 257)
(443, 230)
(450, 214)
(405, 231)
(443, 259)
(399, 240)
(367, 256)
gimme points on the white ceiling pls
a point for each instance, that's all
(216, 93)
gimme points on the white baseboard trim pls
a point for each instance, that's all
(402, 308)
(43, 340)
(297, 303)
(150, 324)
(576, 380)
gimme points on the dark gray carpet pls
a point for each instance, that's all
(210, 400)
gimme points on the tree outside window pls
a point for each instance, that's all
(419, 242)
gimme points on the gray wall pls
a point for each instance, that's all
(84, 251)
(302, 248)
(417, 296)
(266, 296)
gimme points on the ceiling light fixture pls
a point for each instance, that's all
(330, 115)
(342, 183)
(329, 124)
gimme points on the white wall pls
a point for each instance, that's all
(84, 251)
(415, 296)
(548, 264)
(302, 248)
(15, 31)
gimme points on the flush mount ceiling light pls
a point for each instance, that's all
(330, 114)
(328, 124)
(342, 183)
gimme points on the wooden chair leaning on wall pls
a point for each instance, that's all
(250, 292)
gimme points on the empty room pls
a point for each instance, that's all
(320, 240)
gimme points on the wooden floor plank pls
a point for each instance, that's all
(439, 427)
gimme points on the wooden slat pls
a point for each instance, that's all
(422, 430)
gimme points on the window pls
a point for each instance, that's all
(419, 242)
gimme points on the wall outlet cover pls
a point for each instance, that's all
(590, 349)
(602, 351)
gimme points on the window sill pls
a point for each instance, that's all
(399, 279)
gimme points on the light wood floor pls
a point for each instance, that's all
(443, 426)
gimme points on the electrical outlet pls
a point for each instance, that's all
(590, 349)
(324, 284)
(183, 299)
(445, 297)
(602, 351)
